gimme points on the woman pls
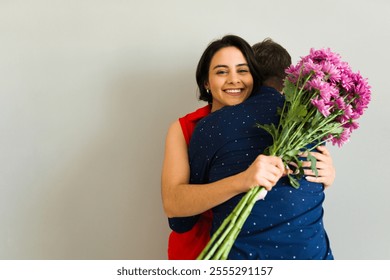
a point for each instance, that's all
(226, 76)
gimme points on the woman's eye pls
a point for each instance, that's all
(243, 70)
(221, 72)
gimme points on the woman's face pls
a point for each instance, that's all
(230, 81)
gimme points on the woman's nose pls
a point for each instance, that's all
(233, 78)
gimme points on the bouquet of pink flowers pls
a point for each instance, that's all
(324, 100)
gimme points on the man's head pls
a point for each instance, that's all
(272, 61)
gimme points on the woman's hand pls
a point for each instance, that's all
(265, 171)
(326, 170)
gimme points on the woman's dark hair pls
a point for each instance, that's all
(202, 71)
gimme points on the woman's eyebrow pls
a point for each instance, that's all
(220, 66)
(225, 66)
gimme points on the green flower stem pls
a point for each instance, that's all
(297, 135)
(322, 126)
(296, 141)
(217, 239)
(221, 233)
(209, 247)
(293, 126)
(223, 239)
(252, 198)
(281, 142)
(244, 215)
(221, 242)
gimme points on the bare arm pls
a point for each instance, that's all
(181, 199)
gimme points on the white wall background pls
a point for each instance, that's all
(88, 89)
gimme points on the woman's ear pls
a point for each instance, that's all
(207, 86)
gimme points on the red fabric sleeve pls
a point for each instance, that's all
(188, 245)
(189, 121)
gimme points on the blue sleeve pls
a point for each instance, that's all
(182, 224)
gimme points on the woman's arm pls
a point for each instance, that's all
(181, 199)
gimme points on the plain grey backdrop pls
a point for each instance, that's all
(88, 89)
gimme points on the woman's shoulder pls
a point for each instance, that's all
(174, 129)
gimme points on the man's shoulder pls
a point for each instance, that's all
(265, 93)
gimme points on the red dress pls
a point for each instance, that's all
(188, 245)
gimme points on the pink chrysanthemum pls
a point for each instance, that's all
(323, 107)
(333, 89)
